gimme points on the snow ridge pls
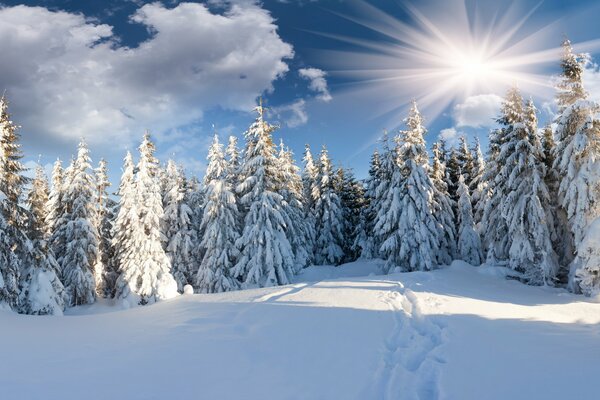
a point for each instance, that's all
(411, 360)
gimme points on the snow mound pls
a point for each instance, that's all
(188, 289)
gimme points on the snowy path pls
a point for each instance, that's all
(458, 333)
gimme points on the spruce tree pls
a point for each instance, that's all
(145, 268)
(443, 210)
(54, 214)
(352, 200)
(469, 243)
(300, 231)
(125, 215)
(526, 202)
(41, 291)
(266, 257)
(465, 163)
(577, 151)
(81, 235)
(478, 189)
(452, 175)
(179, 232)
(364, 244)
(406, 218)
(388, 166)
(37, 200)
(494, 227)
(328, 216)
(232, 155)
(105, 272)
(220, 226)
(12, 181)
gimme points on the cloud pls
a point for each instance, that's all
(317, 83)
(591, 81)
(69, 77)
(477, 111)
(293, 114)
(450, 135)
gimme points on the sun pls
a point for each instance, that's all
(442, 55)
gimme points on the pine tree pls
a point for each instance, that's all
(178, 229)
(352, 200)
(125, 215)
(309, 179)
(452, 175)
(37, 200)
(526, 202)
(406, 218)
(388, 166)
(576, 153)
(469, 243)
(145, 268)
(232, 155)
(105, 271)
(328, 216)
(494, 228)
(465, 163)
(220, 226)
(443, 210)
(300, 231)
(41, 291)
(266, 257)
(364, 244)
(81, 234)
(478, 189)
(12, 181)
(54, 214)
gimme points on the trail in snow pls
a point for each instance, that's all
(410, 364)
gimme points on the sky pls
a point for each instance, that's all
(333, 73)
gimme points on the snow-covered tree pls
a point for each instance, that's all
(125, 215)
(443, 210)
(105, 270)
(145, 268)
(388, 166)
(478, 189)
(300, 230)
(12, 181)
(526, 202)
(37, 200)
(469, 243)
(352, 199)
(41, 291)
(406, 216)
(364, 244)
(577, 150)
(81, 235)
(266, 257)
(220, 226)
(465, 162)
(232, 155)
(452, 175)
(310, 174)
(494, 227)
(180, 234)
(329, 218)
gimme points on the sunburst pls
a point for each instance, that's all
(446, 53)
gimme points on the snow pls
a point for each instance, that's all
(460, 332)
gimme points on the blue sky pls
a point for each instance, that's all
(107, 70)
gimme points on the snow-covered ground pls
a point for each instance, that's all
(456, 333)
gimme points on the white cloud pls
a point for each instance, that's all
(68, 76)
(293, 114)
(317, 82)
(591, 81)
(450, 135)
(477, 111)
